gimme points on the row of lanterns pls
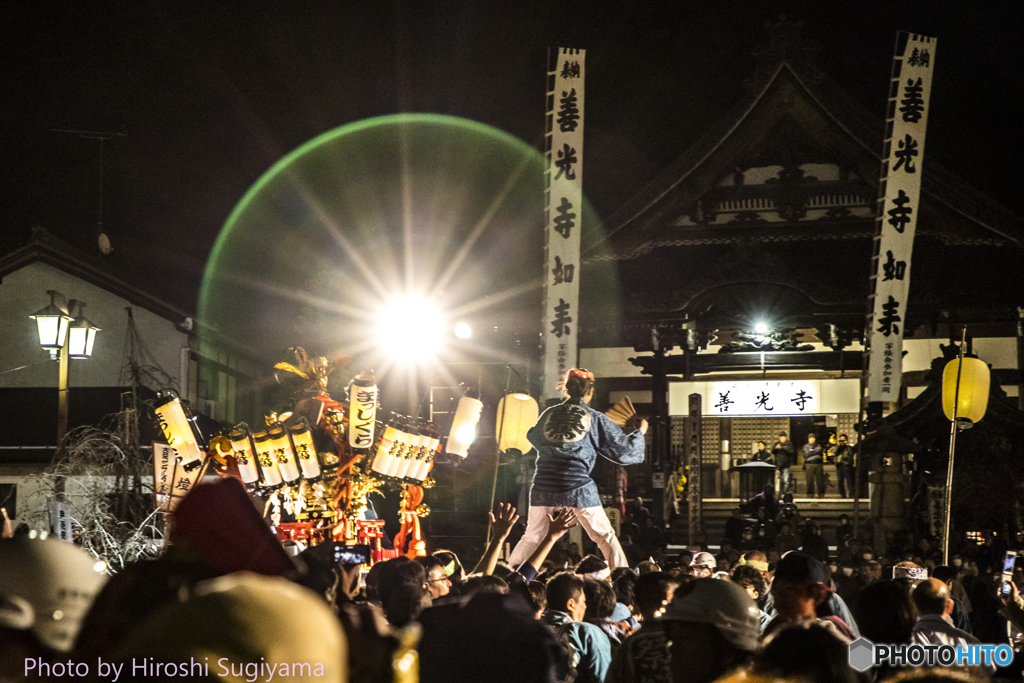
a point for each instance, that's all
(276, 456)
(282, 455)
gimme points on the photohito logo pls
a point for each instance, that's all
(864, 654)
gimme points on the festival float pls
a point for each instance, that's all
(320, 461)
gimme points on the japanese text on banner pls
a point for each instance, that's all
(899, 199)
(564, 199)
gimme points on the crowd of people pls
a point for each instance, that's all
(227, 602)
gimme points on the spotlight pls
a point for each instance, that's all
(410, 328)
(463, 331)
(761, 328)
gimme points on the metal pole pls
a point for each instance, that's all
(497, 445)
(62, 398)
(952, 451)
(62, 414)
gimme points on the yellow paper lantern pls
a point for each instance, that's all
(245, 455)
(268, 463)
(517, 413)
(281, 445)
(178, 432)
(973, 394)
(305, 451)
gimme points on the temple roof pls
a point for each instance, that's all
(798, 119)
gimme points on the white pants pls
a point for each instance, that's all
(593, 520)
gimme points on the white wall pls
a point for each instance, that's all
(23, 292)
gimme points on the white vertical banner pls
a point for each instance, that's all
(170, 479)
(563, 197)
(899, 202)
(60, 520)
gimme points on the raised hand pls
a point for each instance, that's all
(561, 522)
(502, 523)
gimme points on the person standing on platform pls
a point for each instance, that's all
(568, 438)
(763, 454)
(844, 467)
(785, 455)
(814, 465)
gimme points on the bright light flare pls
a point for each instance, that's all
(410, 329)
(761, 328)
(463, 331)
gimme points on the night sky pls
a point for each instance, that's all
(211, 94)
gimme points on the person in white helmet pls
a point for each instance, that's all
(703, 565)
(46, 588)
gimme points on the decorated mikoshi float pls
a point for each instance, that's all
(320, 461)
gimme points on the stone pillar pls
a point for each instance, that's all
(888, 507)
(1020, 358)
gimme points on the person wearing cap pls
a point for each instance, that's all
(568, 438)
(241, 626)
(814, 465)
(46, 588)
(703, 565)
(709, 628)
(785, 455)
(799, 586)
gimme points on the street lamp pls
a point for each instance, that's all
(52, 323)
(65, 333)
(81, 335)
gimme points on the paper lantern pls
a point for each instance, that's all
(384, 460)
(424, 464)
(281, 445)
(362, 412)
(178, 433)
(245, 455)
(464, 424)
(973, 394)
(305, 451)
(268, 463)
(517, 413)
(423, 454)
(413, 448)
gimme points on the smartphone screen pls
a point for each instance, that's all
(1007, 576)
(351, 554)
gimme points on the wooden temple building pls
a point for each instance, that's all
(746, 263)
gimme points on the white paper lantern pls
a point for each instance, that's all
(464, 426)
(362, 412)
(178, 433)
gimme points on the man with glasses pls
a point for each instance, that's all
(438, 583)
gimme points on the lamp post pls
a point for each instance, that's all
(65, 333)
(965, 388)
